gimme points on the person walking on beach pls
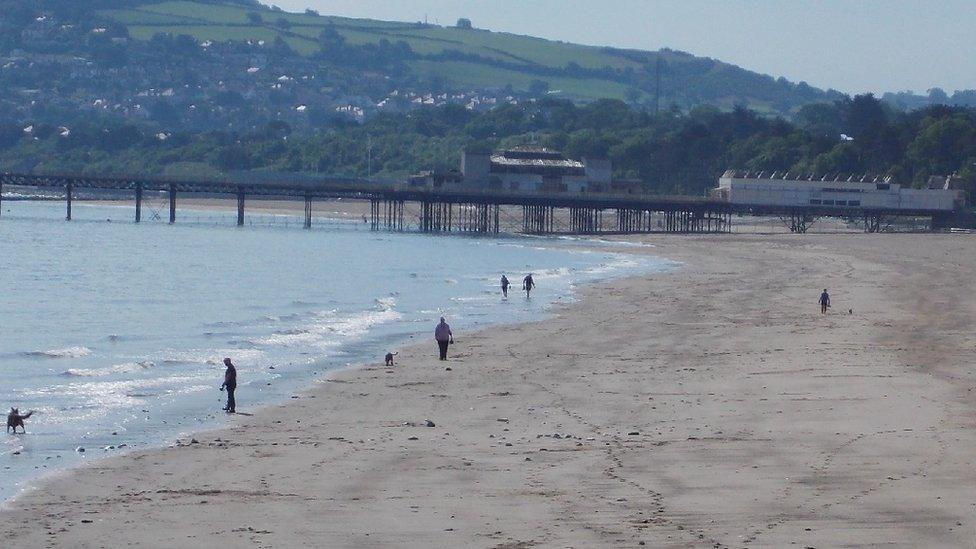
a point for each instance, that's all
(505, 285)
(824, 302)
(528, 284)
(444, 337)
(230, 384)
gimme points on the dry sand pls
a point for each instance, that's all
(709, 406)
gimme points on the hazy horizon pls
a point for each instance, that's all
(858, 47)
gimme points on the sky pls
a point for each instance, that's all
(853, 46)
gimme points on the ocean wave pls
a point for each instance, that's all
(67, 352)
(487, 298)
(116, 369)
(601, 241)
(210, 357)
(88, 399)
(332, 330)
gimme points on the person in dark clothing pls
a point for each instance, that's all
(824, 302)
(505, 285)
(528, 284)
(444, 337)
(230, 384)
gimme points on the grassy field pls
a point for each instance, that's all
(424, 40)
(224, 22)
(483, 76)
(222, 33)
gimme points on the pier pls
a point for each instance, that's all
(400, 207)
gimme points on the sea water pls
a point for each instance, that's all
(113, 333)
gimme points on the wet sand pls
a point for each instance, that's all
(712, 406)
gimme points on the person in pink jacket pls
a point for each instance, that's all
(444, 337)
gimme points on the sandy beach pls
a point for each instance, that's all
(710, 406)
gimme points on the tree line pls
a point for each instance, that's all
(669, 152)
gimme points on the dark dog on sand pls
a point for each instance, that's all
(14, 420)
(389, 358)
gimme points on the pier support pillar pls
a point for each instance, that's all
(374, 214)
(240, 207)
(67, 193)
(874, 222)
(800, 222)
(138, 202)
(172, 203)
(426, 223)
(1, 197)
(308, 211)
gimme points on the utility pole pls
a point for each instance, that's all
(657, 81)
(369, 156)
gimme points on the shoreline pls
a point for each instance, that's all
(316, 382)
(93, 457)
(707, 405)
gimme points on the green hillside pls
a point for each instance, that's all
(473, 58)
(226, 22)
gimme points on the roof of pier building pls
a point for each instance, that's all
(536, 160)
(802, 176)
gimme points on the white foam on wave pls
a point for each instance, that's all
(90, 399)
(599, 241)
(488, 298)
(210, 357)
(116, 369)
(67, 352)
(331, 329)
(550, 276)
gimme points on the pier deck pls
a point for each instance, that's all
(398, 207)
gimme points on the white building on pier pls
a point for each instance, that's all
(780, 189)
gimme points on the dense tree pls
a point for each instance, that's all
(670, 152)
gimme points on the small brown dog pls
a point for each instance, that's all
(389, 358)
(14, 420)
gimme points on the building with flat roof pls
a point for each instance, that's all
(781, 189)
(534, 169)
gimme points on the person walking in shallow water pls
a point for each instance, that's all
(444, 337)
(505, 285)
(528, 284)
(824, 302)
(230, 385)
